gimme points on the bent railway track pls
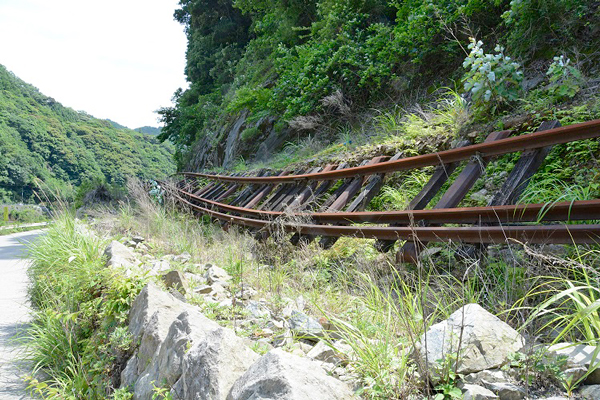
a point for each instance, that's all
(329, 201)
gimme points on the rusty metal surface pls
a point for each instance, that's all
(586, 130)
(562, 211)
(533, 234)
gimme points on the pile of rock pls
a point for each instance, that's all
(476, 344)
(183, 350)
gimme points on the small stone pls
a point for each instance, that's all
(257, 310)
(246, 293)
(481, 195)
(305, 327)
(265, 332)
(430, 252)
(305, 347)
(159, 266)
(183, 257)
(226, 303)
(141, 247)
(292, 306)
(176, 280)
(485, 341)
(138, 239)
(218, 292)
(274, 324)
(130, 243)
(216, 274)
(579, 356)
(324, 352)
(590, 392)
(574, 374)
(506, 391)
(476, 392)
(488, 375)
(285, 339)
(203, 289)
(119, 255)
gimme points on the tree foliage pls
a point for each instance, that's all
(282, 57)
(42, 140)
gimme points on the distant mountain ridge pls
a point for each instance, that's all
(149, 130)
(41, 140)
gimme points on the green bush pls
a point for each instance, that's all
(493, 80)
(249, 134)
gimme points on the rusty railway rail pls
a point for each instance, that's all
(531, 141)
(308, 204)
(538, 234)
(541, 212)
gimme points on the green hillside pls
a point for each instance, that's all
(42, 140)
(285, 70)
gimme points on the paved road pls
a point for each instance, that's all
(13, 226)
(13, 310)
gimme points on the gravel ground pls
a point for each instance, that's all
(14, 312)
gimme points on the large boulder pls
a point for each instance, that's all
(283, 376)
(182, 349)
(166, 366)
(477, 338)
(212, 365)
(150, 317)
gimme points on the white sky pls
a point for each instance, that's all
(116, 59)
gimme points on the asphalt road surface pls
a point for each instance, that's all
(14, 311)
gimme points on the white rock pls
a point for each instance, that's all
(476, 392)
(506, 391)
(183, 257)
(580, 355)
(283, 376)
(216, 274)
(158, 266)
(305, 326)
(213, 364)
(257, 310)
(166, 366)
(491, 376)
(590, 392)
(486, 341)
(152, 313)
(324, 352)
(119, 255)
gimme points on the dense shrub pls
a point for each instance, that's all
(283, 57)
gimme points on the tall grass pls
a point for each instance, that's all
(78, 304)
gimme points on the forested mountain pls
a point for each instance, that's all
(259, 65)
(41, 139)
(149, 130)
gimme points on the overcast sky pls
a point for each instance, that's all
(116, 59)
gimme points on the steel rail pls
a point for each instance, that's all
(538, 234)
(535, 140)
(560, 211)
